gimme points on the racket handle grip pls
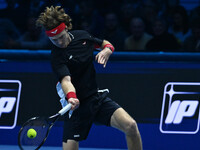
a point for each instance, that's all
(65, 109)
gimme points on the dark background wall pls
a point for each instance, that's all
(139, 90)
(136, 84)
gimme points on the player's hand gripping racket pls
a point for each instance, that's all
(42, 126)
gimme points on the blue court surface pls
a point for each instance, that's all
(8, 147)
(105, 138)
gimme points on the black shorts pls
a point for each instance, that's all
(97, 109)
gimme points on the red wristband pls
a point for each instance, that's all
(109, 46)
(71, 95)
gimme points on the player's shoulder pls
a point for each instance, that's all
(80, 34)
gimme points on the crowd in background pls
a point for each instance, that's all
(130, 25)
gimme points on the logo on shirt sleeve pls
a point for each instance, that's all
(84, 43)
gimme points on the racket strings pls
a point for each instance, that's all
(41, 127)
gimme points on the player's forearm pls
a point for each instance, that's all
(104, 43)
(70, 92)
(67, 86)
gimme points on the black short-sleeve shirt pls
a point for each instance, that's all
(77, 61)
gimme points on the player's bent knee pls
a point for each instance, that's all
(131, 128)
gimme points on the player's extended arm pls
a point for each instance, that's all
(70, 92)
(103, 56)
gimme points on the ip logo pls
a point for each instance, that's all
(180, 108)
(10, 91)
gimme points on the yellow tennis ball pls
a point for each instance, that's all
(31, 133)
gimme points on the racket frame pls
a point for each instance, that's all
(54, 118)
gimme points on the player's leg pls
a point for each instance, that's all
(124, 122)
(77, 127)
(70, 145)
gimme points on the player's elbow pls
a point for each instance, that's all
(66, 79)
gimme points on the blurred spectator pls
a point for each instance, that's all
(168, 9)
(138, 38)
(195, 13)
(104, 6)
(180, 24)
(127, 13)
(112, 32)
(69, 6)
(36, 6)
(88, 13)
(192, 43)
(115, 26)
(162, 40)
(170, 4)
(85, 25)
(8, 32)
(149, 12)
(17, 11)
(3, 4)
(33, 38)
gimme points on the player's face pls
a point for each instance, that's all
(61, 40)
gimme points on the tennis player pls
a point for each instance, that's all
(72, 62)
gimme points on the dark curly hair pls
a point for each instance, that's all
(52, 17)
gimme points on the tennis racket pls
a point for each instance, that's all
(42, 126)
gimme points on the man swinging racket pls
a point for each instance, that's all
(72, 62)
